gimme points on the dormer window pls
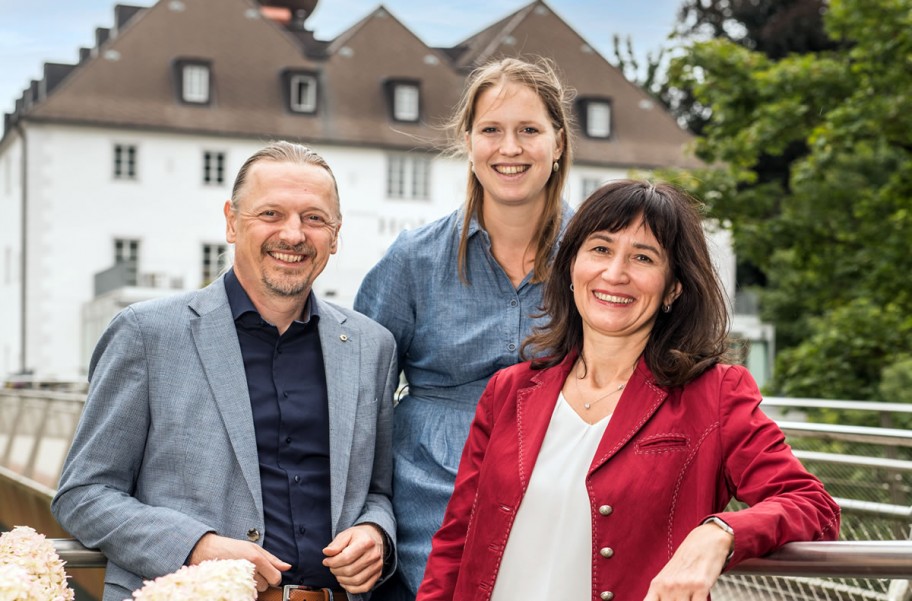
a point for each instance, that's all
(405, 100)
(300, 90)
(595, 114)
(194, 79)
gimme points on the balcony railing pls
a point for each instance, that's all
(844, 559)
(873, 561)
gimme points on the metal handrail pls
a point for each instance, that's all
(842, 559)
(864, 434)
(874, 406)
(896, 465)
(839, 559)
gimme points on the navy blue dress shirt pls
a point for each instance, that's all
(287, 386)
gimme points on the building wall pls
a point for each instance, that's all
(10, 255)
(77, 208)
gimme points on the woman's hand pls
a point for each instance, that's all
(694, 568)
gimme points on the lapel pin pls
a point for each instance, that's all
(343, 337)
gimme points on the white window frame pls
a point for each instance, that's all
(125, 163)
(408, 176)
(406, 102)
(127, 249)
(598, 119)
(214, 261)
(213, 168)
(590, 185)
(195, 83)
(306, 102)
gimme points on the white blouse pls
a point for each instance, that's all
(549, 551)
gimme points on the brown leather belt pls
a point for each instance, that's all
(301, 593)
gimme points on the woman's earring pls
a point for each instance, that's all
(666, 308)
(572, 288)
(472, 166)
(555, 167)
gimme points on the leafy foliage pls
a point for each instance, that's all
(831, 230)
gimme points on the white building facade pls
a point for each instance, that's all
(114, 172)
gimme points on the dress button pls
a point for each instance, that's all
(606, 595)
(606, 552)
(253, 535)
(606, 509)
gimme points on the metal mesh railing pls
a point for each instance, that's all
(863, 468)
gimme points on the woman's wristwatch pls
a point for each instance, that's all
(721, 524)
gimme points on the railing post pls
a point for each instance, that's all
(894, 478)
(29, 468)
(8, 452)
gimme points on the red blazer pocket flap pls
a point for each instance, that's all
(662, 443)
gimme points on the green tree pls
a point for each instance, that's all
(832, 236)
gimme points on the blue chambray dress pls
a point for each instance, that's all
(451, 338)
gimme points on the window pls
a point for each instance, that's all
(596, 117)
(590, 185)
(214, 261)
(124, 161)
(194, 78)
(302, 92)
(408, 176)
(126, 251)
(405, 100)
(213, 168)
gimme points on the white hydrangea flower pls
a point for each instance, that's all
(215, 580)
(24, 547)
(17, 585)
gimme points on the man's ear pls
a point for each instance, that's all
(230, 233)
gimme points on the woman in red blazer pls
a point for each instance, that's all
(603, 471)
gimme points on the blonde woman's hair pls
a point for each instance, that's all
(541, 78)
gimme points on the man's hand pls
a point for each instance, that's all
(269, 568)
(355, 557)
(694, 567)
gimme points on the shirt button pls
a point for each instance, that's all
(606, 509)
(288, 440)
(511, 346)
(606, 595)
(297, 478)
(253, 535)
(513, 303)
(606, 552)
(302, 529)
(285, 394)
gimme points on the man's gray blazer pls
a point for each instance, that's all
(165, 450)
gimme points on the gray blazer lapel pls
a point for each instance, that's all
(220, 353)
(342, 361)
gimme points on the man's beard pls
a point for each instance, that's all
(290, 287)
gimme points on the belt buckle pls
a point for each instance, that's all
(286, 591)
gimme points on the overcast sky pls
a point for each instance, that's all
(33, 32)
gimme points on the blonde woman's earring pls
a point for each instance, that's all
(555, 166)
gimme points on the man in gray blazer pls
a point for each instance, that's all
(249, 419)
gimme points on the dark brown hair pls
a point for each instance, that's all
(541, 78)
(683, 343)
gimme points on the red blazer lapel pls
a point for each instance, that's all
(534, 407)
(641, 398)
